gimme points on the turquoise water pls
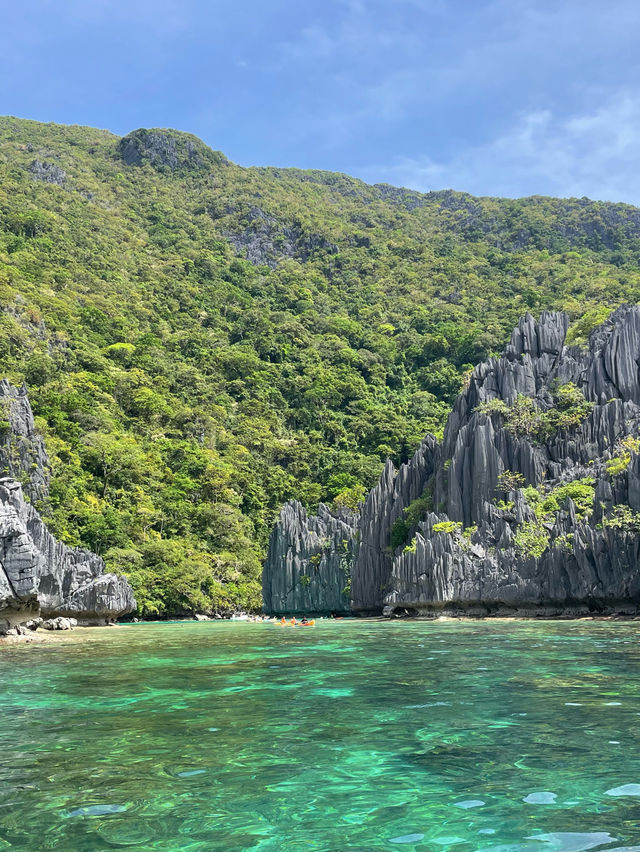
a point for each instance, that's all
(350, 735)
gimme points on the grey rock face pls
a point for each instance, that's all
(466, 554)
(308, 568)
(585, 567)
(22, 451)
(59, 623)
(47, 172)
(38, 574)
(266, 240)
(383, 506)
(167, 150)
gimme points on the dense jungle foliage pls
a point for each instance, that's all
(202, 341)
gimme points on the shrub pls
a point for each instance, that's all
(450, 527)
(564, 542)
(349, 498)
(580, 330)
(403, 525)
(532, 495)
(399, 532)
(467, 535)
(623, 518)
(619, 463)
(493, 406)
(505, 505)
(524, 416)
(525, 419)
(532, 539)
(581, 491)
(570, 410)
(509, 480)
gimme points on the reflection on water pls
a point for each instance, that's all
(498, 736)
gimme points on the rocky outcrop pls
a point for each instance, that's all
(47, 173)
(168, 151)
(267, 240)
(22, 451)
(38, 574)
(310, 561)
(531, 504)
(384, 505)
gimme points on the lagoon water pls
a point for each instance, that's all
(351, 735)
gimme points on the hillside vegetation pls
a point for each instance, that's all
(202, 342)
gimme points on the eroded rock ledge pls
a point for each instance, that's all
(40, 576)
(529, 505)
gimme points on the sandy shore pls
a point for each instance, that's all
(78, 634)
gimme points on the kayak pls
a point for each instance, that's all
(297, 623)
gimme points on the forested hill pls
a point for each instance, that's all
(202, 342)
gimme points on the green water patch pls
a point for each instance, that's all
(362, 735)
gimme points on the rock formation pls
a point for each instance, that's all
(311, 559)
(38, 574)
(47, 173)
(168, 150)
(530, 505)
(384, 505)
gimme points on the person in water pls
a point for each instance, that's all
(304, 620)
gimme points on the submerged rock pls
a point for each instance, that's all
(482, 542)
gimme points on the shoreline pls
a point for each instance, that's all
(82, 633)
(47, 637)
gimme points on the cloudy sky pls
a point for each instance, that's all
(493, 97)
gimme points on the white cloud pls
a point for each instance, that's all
(595, 153)
(377, 63)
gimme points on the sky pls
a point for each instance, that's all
(492, 97)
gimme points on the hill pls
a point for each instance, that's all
(202, 342)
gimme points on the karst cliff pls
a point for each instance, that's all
(38, 574)
(529, 505)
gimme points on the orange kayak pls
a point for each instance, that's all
(297, 623)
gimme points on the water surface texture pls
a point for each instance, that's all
(350, 735)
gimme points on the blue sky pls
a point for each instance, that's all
(493, 97)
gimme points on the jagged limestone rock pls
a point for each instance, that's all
(38, 574)
(47, 172)
(470, 553)
(168, 150)
(22, 451)
(267, 239)
(585, 567)
(310, 560)
(383, 506)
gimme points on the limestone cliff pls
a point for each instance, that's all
(38, 574)
(312, 559)
(531, 502)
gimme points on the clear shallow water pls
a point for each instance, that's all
(397, 736)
